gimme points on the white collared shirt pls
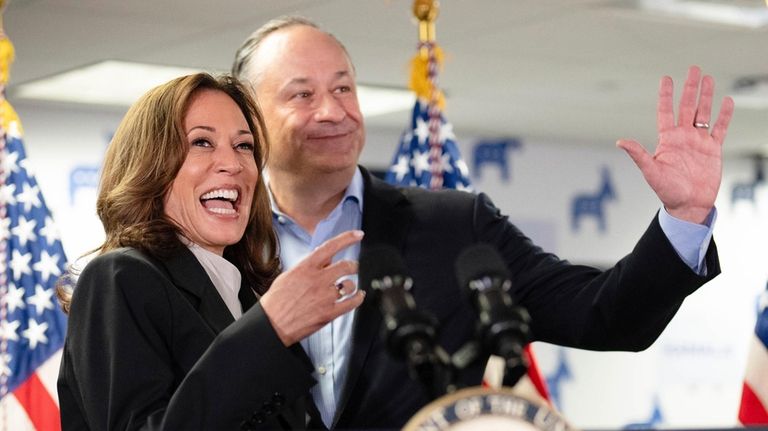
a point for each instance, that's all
(225, 277)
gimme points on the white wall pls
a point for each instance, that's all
(692, 375)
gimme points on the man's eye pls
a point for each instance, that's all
(344, 89)
(303, 94)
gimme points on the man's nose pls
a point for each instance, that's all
(330, 109)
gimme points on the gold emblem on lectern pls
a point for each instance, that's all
(485, 409)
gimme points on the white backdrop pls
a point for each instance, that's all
(691, 377)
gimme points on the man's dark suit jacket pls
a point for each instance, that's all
(147, 320)
(623, 308)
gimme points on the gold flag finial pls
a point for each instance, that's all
(6, 48)
(430, 56)
(7, 113)
(426, 12)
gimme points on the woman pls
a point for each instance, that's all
(163, 331)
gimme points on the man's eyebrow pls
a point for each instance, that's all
(302, 80)
(297, 81)
(342, 74)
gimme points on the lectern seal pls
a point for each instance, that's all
(486, 409)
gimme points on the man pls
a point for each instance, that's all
(305, 84)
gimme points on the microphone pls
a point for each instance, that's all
(503, 327)
(409, 333)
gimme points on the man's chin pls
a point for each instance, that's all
(336, 168)
(330, 165)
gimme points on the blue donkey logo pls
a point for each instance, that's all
(555, 380)
(494, 152)
(593, 204)
(656, 418)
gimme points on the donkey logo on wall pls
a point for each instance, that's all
(593, 204)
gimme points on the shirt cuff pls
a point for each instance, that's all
(690, 240)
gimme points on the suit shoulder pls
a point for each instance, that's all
(121, 269)
(444, 202)
(125, 257)
(447, 202)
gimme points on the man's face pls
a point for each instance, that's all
(306, 89)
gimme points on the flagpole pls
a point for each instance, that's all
(426, 12)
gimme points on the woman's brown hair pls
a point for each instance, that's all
(142, 162)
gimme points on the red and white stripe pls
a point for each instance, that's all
(34, 406)
(754, 397)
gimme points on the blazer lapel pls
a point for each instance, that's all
(189, 276)
(386, 219)
(246, 295)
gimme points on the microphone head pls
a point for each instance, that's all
(390, 283)
(478, 261)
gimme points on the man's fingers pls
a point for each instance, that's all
(688, 104)
(323, 254)
(665, 116)
(720, 128)
(704, 111)
(636, 152)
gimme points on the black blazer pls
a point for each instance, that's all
(623, 308)
(151, 345)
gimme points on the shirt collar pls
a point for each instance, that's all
(224, 276)
(354, 192)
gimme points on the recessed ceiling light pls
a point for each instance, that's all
(381, 100)
(120, 83)
(110, 82)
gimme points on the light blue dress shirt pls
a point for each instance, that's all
(690, 240)
(330, 348)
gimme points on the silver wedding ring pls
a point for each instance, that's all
(699, 125)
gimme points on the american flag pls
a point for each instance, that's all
(754, 397)
(32, 325)
(416, 163)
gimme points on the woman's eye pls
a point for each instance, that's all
(201, 143)
(245, 146)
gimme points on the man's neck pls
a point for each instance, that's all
(308, 199)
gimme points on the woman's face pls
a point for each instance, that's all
(211, 196)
